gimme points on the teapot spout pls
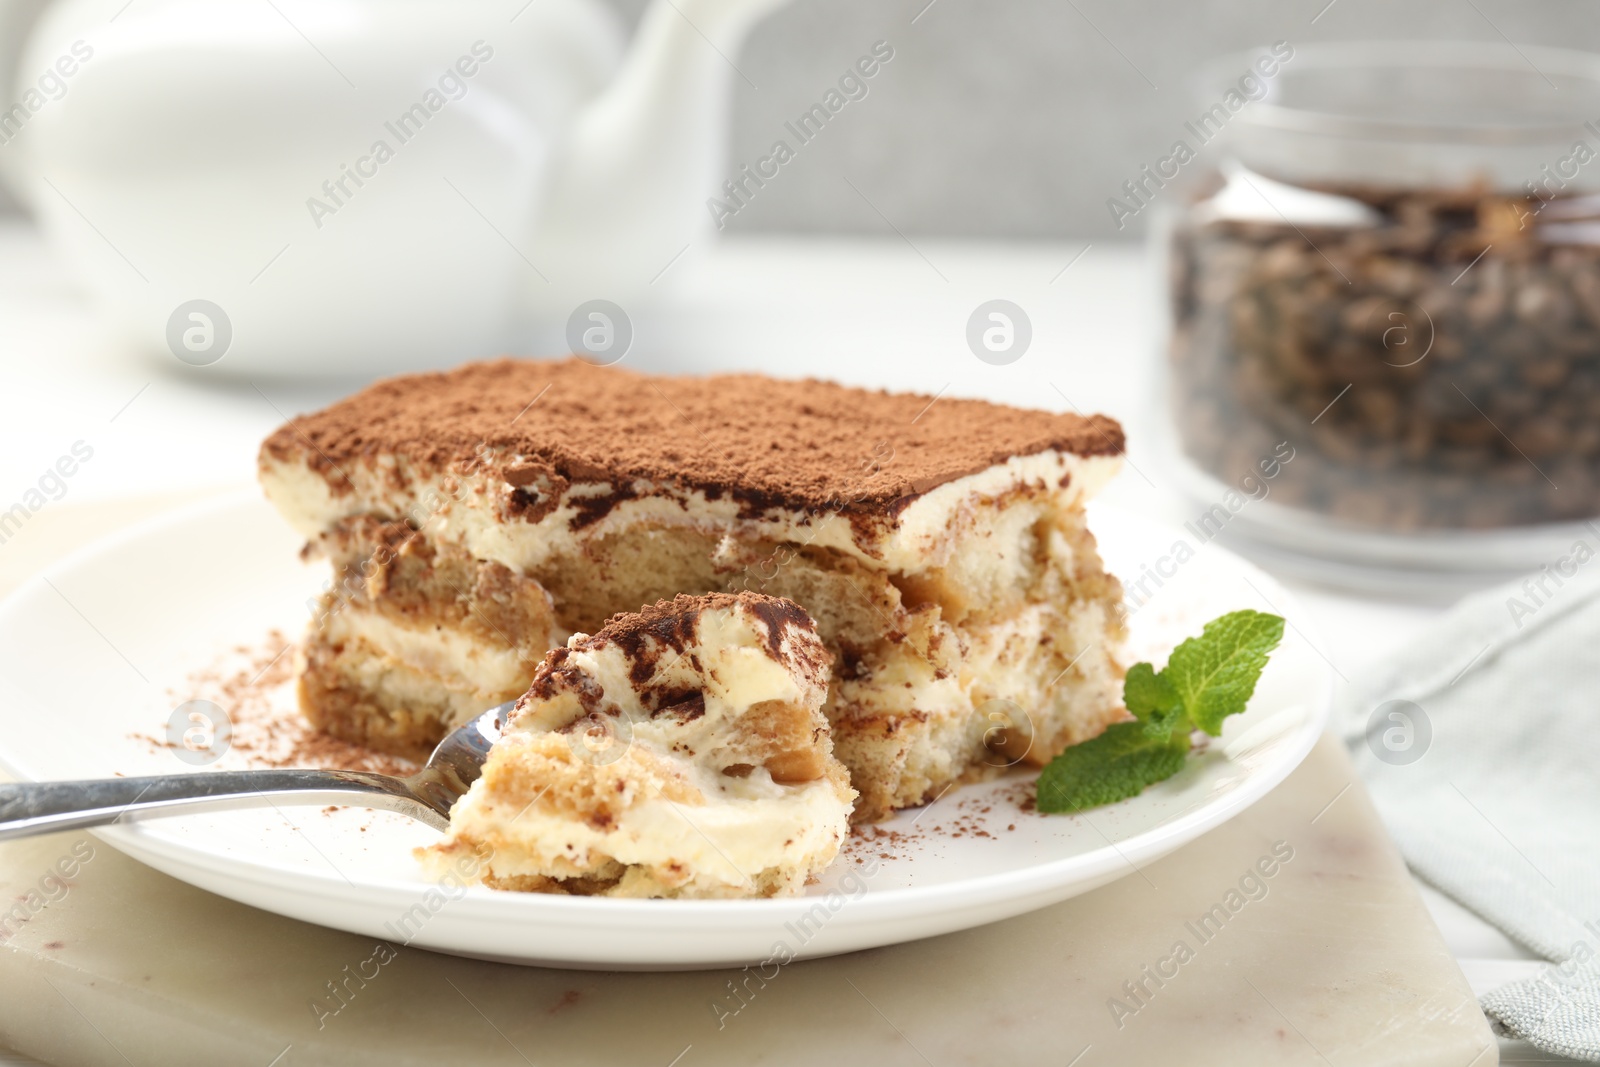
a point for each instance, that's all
(629, 187)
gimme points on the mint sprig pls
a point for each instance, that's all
(1206, 679)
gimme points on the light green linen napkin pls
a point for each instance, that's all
(1480, 743)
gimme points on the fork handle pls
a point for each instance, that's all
(28, 808)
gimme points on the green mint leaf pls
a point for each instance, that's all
(1206, 679)
(1152, 700)
(1103, 770)
(1215, 673)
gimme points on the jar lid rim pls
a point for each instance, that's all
(1461, 57)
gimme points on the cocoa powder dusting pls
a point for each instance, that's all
(975, 815)
(255, 686)
(668, 629)
(810, 445)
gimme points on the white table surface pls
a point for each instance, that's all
(879, 313)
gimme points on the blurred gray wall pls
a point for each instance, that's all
(1018, 118)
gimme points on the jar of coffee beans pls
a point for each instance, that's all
(1385, 261)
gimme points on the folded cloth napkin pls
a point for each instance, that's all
(1481, 746)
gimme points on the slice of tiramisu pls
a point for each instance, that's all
(678, 752)
(477, 517)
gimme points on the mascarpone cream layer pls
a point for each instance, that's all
(477, 511)
(674, 811)
(452, 656)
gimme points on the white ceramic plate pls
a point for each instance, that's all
(98, 652)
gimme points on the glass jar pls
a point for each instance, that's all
(1383, 273)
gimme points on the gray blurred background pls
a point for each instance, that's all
(1018, 118)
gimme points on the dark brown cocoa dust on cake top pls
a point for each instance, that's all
(664, 631)
(674, 624)
(766, 441)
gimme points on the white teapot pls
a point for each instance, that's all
(355, 186)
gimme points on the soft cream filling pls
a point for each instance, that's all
(745, 825)
(468, 510)
(728, 841)
(993, 655)
(450, 655)
(725, 664)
